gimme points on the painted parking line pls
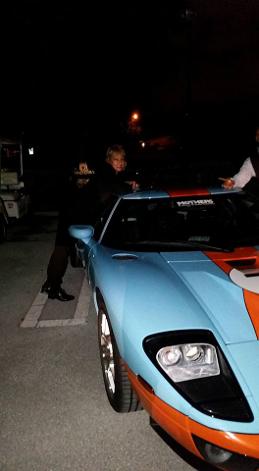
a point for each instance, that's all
(32, 318)
(34, 313)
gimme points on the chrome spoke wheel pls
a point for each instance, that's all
(118, 387)
(107, 353)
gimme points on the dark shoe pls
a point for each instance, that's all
(45, 287)
(60, 294)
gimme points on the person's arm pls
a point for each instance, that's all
(244, 175)
(241, 178)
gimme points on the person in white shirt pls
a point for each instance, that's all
(248, 170)
(242, 177)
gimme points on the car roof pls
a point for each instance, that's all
(177, 192)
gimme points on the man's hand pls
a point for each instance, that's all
(228, 183)
(134, 185)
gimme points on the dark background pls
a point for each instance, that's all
(72, 73)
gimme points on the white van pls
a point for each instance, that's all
(12, 191)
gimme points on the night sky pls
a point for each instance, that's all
(75, 70)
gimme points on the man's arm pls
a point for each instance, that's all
(241, 178)
(244, 175)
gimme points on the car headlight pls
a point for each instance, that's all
(188, 361)
(194, 364)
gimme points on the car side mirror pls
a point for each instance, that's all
(81, 232)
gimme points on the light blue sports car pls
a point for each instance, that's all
(175, 280)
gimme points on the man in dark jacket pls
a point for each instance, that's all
(75, 196)
(82, 202)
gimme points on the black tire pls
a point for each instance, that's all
(3, 229)
(120, 393)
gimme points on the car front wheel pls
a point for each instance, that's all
(120, 393)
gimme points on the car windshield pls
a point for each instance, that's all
(219, 222)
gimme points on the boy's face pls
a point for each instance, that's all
(117, 161)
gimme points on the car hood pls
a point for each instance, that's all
(176, 291)
(217, 295)
(150, 293)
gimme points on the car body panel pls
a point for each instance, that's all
(147, 293)
(123, 285)
(182, 428)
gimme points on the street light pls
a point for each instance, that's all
(135, 116)
(134, 123)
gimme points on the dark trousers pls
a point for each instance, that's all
(57, 266)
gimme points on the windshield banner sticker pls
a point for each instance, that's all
(187, 203)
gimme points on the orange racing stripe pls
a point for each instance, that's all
(226, 263)
(188, 192)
